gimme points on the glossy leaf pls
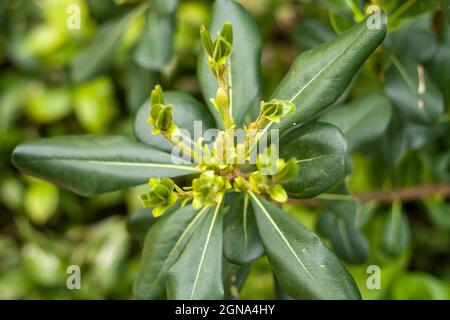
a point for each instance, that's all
(90, 164)
(185, 111)
(319, 150)
(242, 243)
(309, 34)
(163, 245)
(155, 46)
(197, 274)
(305, 268)
(348, 242)
(396, 233)
(320, 76)
(234, 276)
(92, 59)
(362, 120)
(412, 92)
(245, 61)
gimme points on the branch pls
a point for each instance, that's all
(409, 194)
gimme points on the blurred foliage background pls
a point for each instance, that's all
(55, 80)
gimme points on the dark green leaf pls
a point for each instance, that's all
(319, 77)
(245, 61)
(309, 34)
(396, 231)
(440, 70)
(404, 80)
(242, 243)
(305, 268)
(139, 222)
(92, 59)
(234, 276)
(319, 150)
(362, 120)
(89, 164)
(348, 241)
(197, 274)
(164, 243)
(155, 46)
(185, 111)
(438, 213)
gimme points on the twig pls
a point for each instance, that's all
(404, 195)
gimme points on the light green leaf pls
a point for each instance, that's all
(319, 150)
(419, 286)
(305, 268)
(185, 111)
(163, 245)
(197, 274)
(242, 243)
(90, 164)
(320, 76)
(245, 61)
(362, 120)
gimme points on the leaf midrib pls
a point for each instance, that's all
(327, 66)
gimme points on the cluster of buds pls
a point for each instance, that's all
(160, 114)
(218, 53)
(221, 163)
(272, 184)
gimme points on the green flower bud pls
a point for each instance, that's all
(286, 170)
(157, 96)
(276, 109)
(208, 189)
(277, 193)
(160, 196)
(206, 41)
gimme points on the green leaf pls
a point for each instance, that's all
(93, 58)
(349, 243)
(139, 222)
(319, 150)
(242, 243)
(418, 100)
(138, 84)
(165, 6)
(185, 111)
(89, 164)
(309, 34)
(155, 46)
(234, 276)
(445, 6)
(197, 274)
(245, 61)
(396, 233)
(163, 245)
(305, 268)
(438, 213)
(414, 39)
(320, 76)
(362, 120)
(94, 104)
(41, 201)
(440, 70)
(419, 286)
(47, 105)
